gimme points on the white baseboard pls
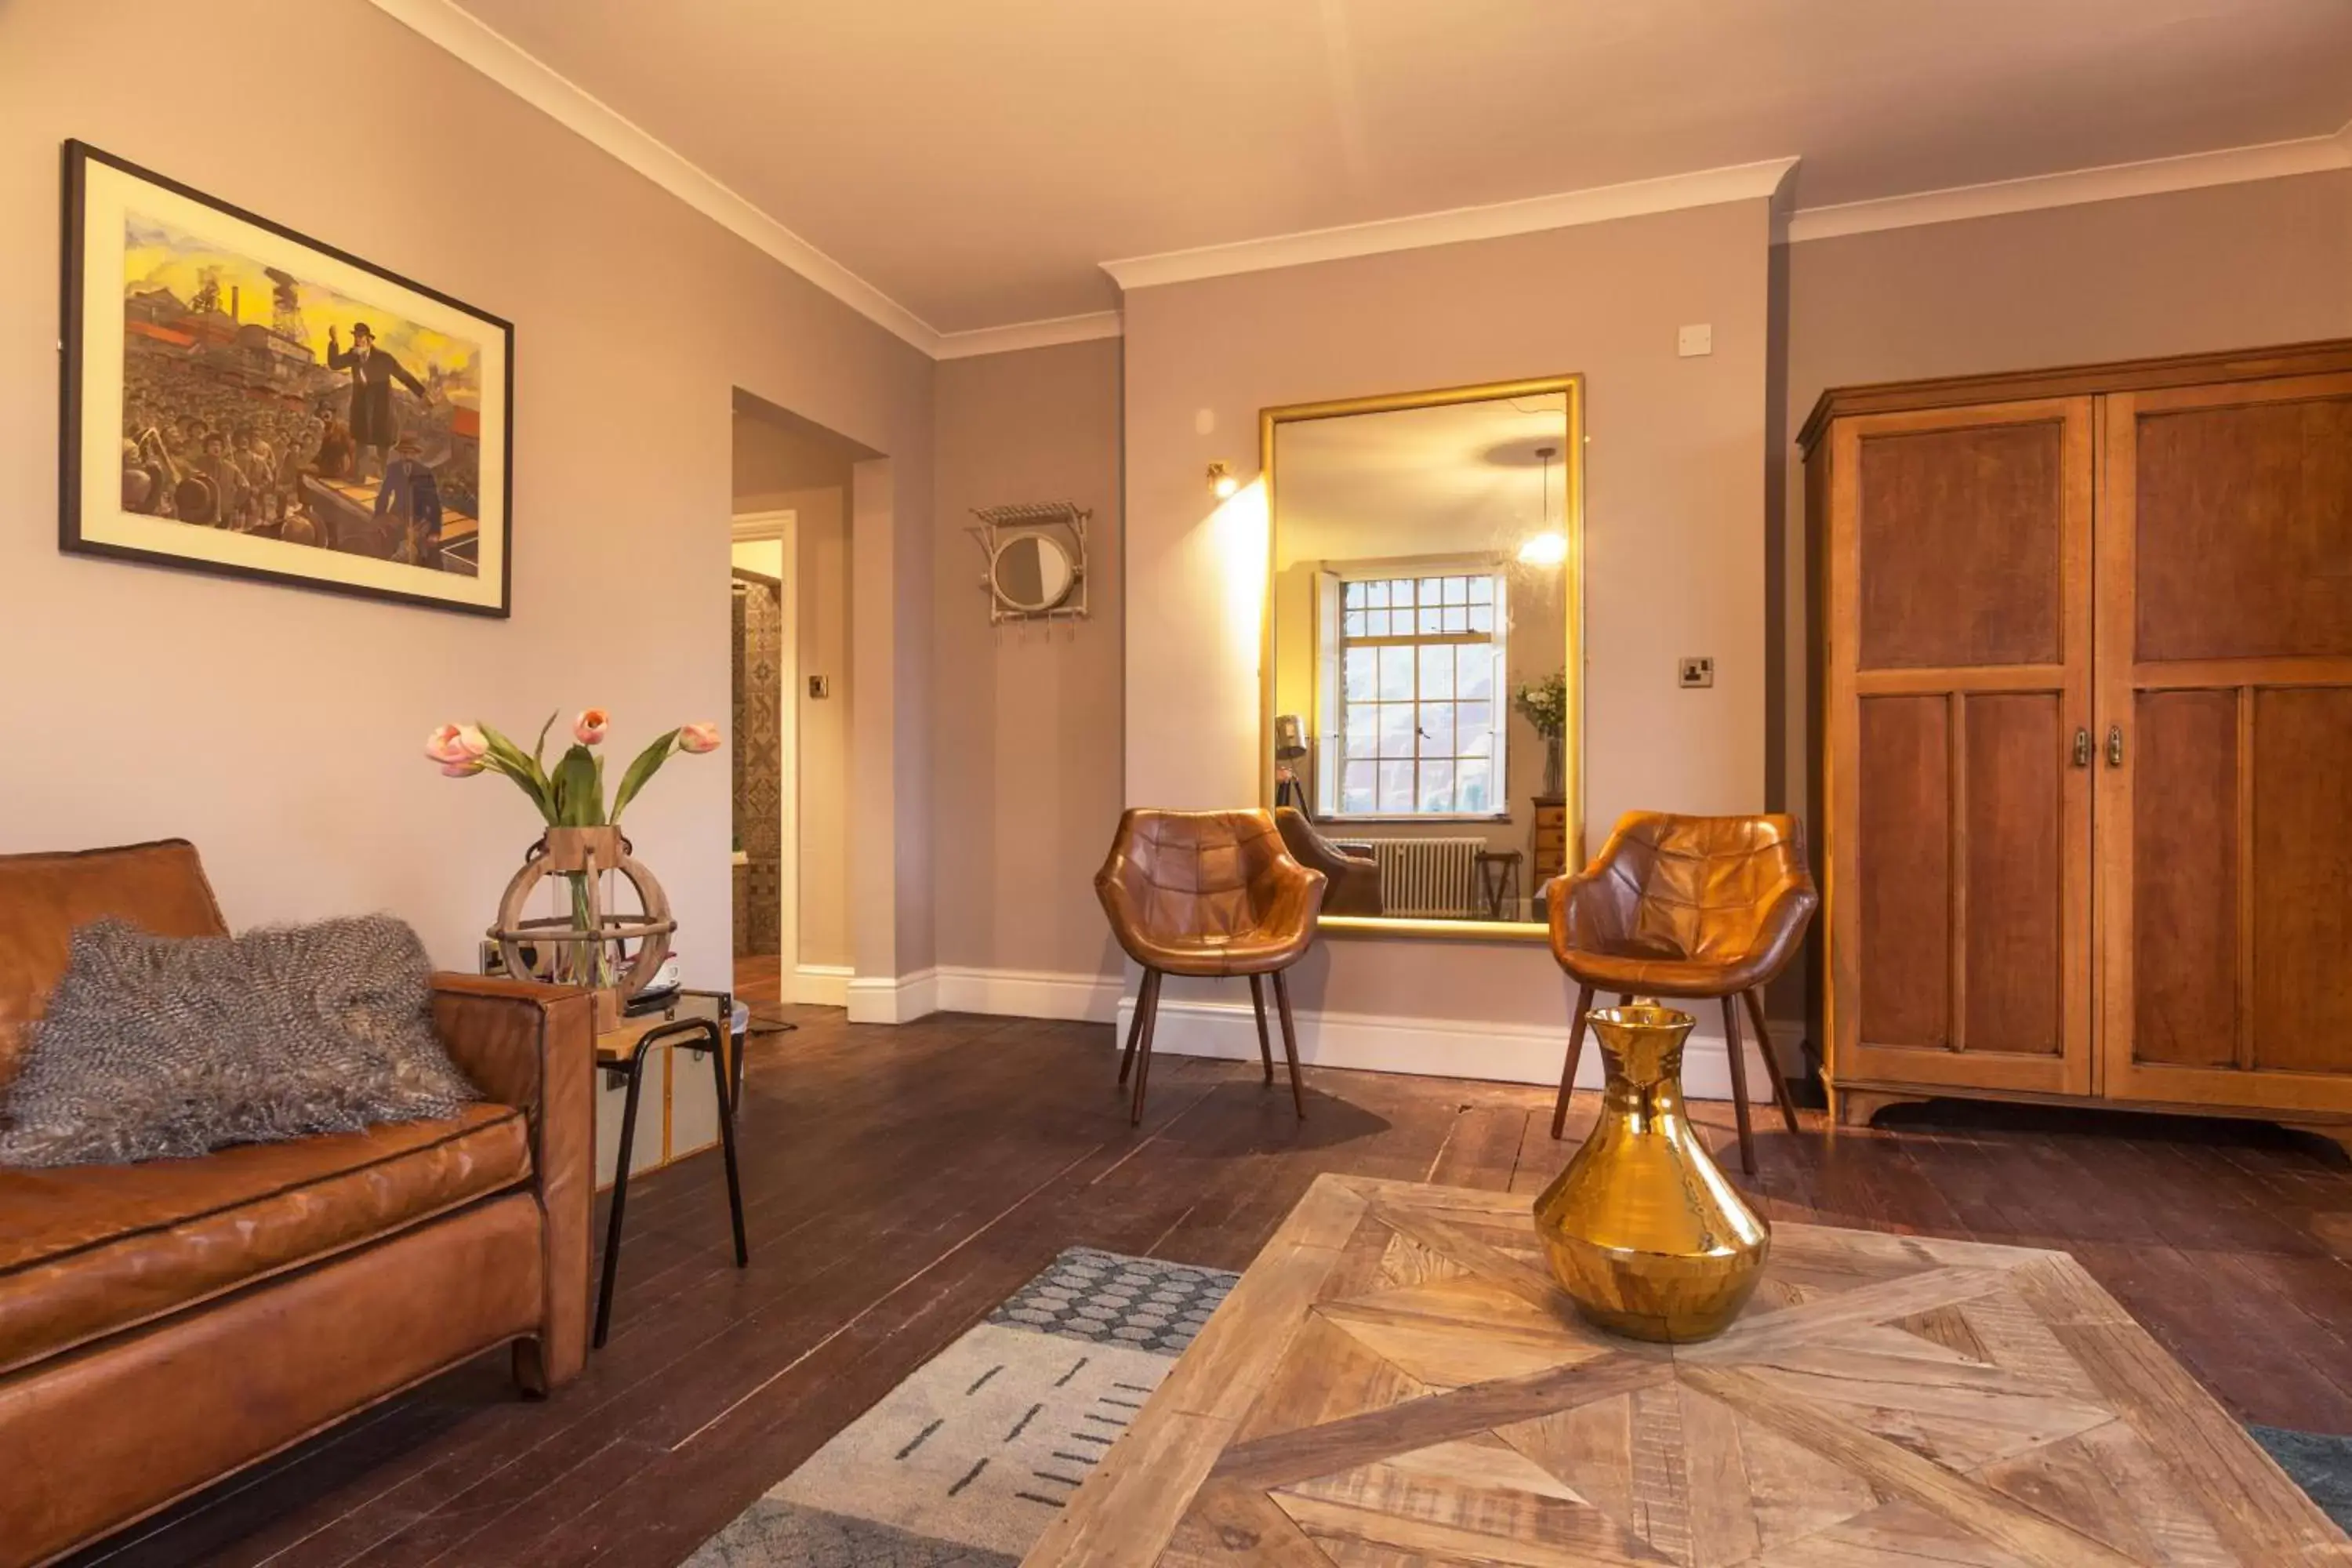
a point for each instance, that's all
(819, 985)
(893, 998)
(1438, 1048)
(1029, 994)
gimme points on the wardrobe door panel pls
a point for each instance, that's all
(1959, 675)
(2225, 806)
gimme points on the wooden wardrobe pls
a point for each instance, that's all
(2082, 736)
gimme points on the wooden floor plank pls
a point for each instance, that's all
(978, 1147)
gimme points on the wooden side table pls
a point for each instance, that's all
(1549, 840)
(1498, 880)
(622, 1054)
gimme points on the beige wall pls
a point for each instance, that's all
(1028, 733)
(280, 728)
(1675, 501)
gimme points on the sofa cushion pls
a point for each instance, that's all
(156, 886)
(92, 1249)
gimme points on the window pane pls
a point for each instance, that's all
(1396, 729)
(1377, 594)
(1430, 620)
(1356, 787)
(1473, 733)
(1376, 623)
(1437, 729)
(1351, 624)
(1396, 674)
(1353, 596)
(1359, 684)
(1482, 617)
(1473, 784)
(1457, 590)
(1482, 589)
(1476, 672)
(1396, 788)
(1363, 730)
(1400, 594)
(1437, 786)
(1457, 618)
(1437, 671)
(1432, 592)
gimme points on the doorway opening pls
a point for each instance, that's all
(789, 595)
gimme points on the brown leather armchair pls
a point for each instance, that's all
(1208, 893)
(1351, 877)
(1689, 907)
(163, 1325)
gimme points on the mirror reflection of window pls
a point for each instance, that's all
(1420, 733)
(1422, 575)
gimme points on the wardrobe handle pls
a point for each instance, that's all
(2114, 745)
(2082, 747)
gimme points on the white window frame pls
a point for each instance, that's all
(1331, 647)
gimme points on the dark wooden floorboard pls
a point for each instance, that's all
(900, 1183)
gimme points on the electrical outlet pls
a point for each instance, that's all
(1693, 341)
(820, 688)
(1697, 669)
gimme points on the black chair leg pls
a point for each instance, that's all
(1257, 1004)
(1147, 1015)
(1737, 1055)
(727, 1146)
(1764, 1042)
(636, 1071)
(1134, 1033)
(1575, 1051)
(1290, 1041)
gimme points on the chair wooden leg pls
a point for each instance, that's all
(1264, 1045)
(1575, 1049)
(1147, 1014)
(1737, 1054)
(1764, 1040)
(1290, 1042)
(1134, 1032)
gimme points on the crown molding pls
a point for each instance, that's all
(1018, 335)
(1567, 209)
(2153, 176)
(534, 81)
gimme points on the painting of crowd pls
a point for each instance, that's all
(240, 424)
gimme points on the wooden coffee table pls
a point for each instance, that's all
(1396, 1380)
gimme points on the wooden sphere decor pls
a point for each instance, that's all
(584, 940)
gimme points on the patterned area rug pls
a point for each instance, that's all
(962, 1465)
(965, 1462)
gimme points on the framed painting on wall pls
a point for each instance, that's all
(240, 399)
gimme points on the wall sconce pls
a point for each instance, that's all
(1222, 483)
(1544, 550)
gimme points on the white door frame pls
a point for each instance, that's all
(793, 984)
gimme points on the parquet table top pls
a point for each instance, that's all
(1397, 1380)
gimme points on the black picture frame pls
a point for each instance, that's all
(83, 528)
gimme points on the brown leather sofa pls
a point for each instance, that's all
(1351, 877)
(164, 1324)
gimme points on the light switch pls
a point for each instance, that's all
(1695, 341)
(820, 688)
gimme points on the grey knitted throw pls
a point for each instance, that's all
(160, 1047)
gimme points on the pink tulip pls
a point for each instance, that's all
(461, 770)
(452, 744)
(698, 738)
(589, 728)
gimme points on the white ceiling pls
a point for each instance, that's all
(975, 161)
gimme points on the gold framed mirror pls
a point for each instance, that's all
(1422, 706)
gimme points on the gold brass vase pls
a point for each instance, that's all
(1643, 1230)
